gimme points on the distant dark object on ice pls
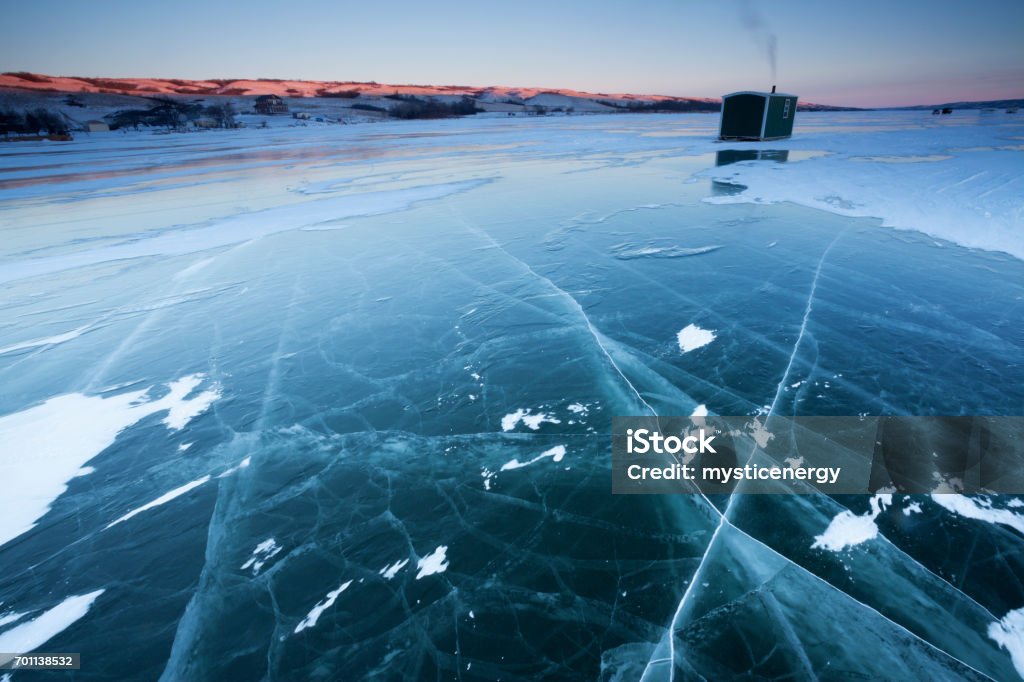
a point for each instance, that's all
(757, 116)
(963, 106)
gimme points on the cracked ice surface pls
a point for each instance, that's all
(401, 353)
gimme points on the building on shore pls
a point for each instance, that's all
(270, 104)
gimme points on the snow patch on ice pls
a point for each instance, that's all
(488, 475)
(392, 570)
(10, 618)
(435, 562)
(244, 464)
(556, 453)
(691, 337)
(180, 411)
(47, 445)
(314, 614)
(957, 185)
(32, 634)
(760, 434)
(163, 499)
(979, 509)
(531, 421)
(700, 411)
(1008, 633)
(263, 553)
(848, 529)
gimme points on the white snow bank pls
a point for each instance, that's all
(435, 562)
(963, 183)
(848, 529)
(45, 446)
(1009, 634)
(556, 453)
(314, 614)
(692, 337)
(32, 634)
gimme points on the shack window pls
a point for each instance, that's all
(785, 110)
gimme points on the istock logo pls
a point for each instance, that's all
(762, 455)
(642, 441)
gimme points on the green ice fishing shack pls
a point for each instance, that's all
(751, 115)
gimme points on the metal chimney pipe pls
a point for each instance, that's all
(773, 89)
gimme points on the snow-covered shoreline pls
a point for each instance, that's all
(959, 179)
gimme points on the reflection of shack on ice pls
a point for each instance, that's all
(270, 104)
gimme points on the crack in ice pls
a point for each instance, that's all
(724, 516)
(597, 336)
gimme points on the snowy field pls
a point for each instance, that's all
(278, 403)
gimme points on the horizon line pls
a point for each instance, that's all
(541, 89)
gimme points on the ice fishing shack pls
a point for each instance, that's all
(758, 116)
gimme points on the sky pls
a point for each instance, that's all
(841, 52)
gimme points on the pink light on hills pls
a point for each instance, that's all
(289, 88)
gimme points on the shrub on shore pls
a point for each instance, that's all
(32, 122)
(410, 107)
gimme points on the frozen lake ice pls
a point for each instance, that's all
(284, 403)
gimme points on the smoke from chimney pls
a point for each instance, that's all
(764, 38)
